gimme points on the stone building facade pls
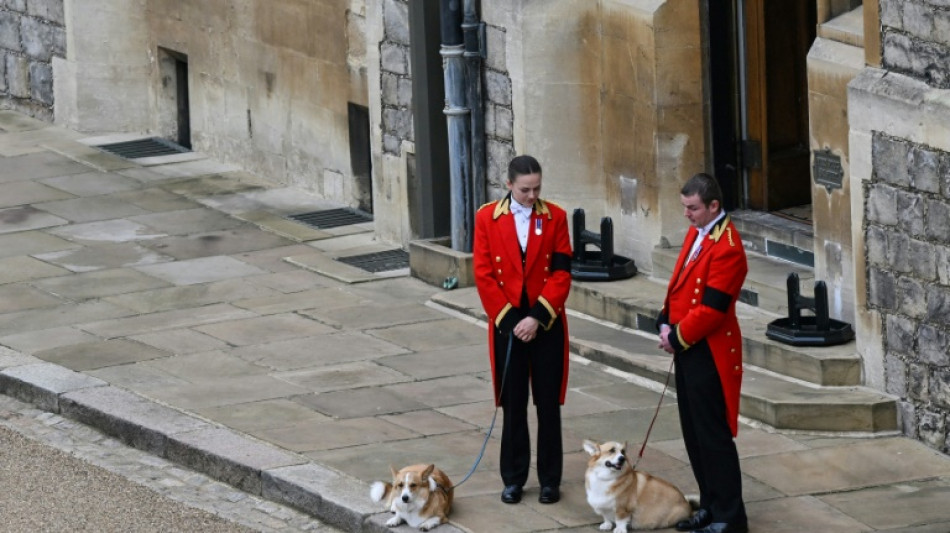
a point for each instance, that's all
(617, 99)
(32, 33)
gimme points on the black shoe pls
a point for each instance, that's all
(723, 527)
(511, 494)
(700, 519)
(549, 494)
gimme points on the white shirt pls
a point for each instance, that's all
(522, 222)
(703, 231)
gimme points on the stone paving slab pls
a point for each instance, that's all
(92, 183)
(28, 242)
(99, 354)
(202, 270)
(29, 192)
(16, 219)
(105, 256)
(93, 209)
(217, 243)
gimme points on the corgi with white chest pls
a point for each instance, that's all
(419, 495)
(626, 497)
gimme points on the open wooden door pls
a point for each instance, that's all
(778, 35)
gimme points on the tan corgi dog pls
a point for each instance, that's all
(626, 497)
(419, 495)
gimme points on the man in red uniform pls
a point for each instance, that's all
(522, 264)
(698, 325)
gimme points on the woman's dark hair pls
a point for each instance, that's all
(705, 186)
(521, 165)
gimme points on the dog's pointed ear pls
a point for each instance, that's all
(394, 471)
(428, 471)
(591, 447)
(624, 446)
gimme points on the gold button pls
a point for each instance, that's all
(498, 259)
(699, 280)
(737, 367)
(547, 256)
(733, 350)
(728, 334)
(695, 291)
(694, 301)
(546, 269)
(545, 280)
(499, 271)
(502, 283)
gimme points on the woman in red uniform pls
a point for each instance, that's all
(522, 262)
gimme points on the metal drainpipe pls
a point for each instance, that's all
(458, 126)
(473, 29)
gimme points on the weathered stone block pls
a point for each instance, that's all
(940, 387)
(404, 92)
(942, 27)
(496, 55)
(895, 375)
(14, 5)
(398, 122)
(900, 334)
(923, 260)
(936, 226)
(910, 213)
(891, 13)
(898, 252)
(933, 345)
(41, 82)
(391, 143)
(882, 289)
(882, 204)
(929, 62)
(18, 76)
(891, 159)
(504, 123)
(918, 20)
(908, 418)
(938, 305)
(51, 10)
(9, 30)
(942, 254)
(913, 298)
(897, 51)
(498, 87)
(918, 382)
(41, 40)
(3, 72)
(499, 155)
(389, 84)
(933, 429)
(926, 169)
(394, 58)
(396, 21)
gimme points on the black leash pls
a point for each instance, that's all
(657, 412)
(481, 454)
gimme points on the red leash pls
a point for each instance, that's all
(657, 412)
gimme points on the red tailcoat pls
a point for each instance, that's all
(701, 305)
(500, 276)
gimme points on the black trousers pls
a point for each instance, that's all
(540, 364)
(709, 443)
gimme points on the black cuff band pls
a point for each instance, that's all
(716, 299)
(560, 261)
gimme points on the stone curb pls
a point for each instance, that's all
(227, 456)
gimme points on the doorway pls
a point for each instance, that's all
(757, 53)
(174, 107)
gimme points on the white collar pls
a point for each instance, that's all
(708, 227)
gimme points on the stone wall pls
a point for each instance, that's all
(32, 32)
(916, 39)
(908, 262)
(499, 118)
(396, 80)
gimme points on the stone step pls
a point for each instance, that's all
(786, 404)
(765, 286)
(775, 236)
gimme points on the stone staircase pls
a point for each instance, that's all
(816, 389)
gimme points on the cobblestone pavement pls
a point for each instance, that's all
(222, 508)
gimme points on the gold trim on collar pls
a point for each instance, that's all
(717, 231)
(503, 207)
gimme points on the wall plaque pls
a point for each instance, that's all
(827, 170)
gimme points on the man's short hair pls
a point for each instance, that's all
(705, 186)
(522, 165)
